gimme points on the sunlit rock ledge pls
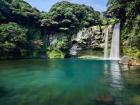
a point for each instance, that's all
(135, 63)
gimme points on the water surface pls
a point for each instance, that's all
(68, 82)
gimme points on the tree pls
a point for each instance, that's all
(70, 20)
(12, 40)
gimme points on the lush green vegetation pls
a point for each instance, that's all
(128, 13)
(20, 28)
(25, 31)
(13, 40)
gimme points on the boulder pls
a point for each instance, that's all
(125, 60)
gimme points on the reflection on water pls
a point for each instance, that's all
(116, 77)
(117, 82)
(67, 82)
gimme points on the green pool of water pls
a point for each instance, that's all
(68, 82)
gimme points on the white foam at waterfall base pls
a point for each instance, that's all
(115, 46)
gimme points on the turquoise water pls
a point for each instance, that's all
(68, 82)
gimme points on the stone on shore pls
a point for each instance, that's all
(126, 61)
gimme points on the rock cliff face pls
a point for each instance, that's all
(91, 37)
(87, 38)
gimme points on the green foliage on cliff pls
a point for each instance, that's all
(18, 11)
(13, 40)
(20, 15)
(59, 49)
(128, 13)
(54, 53)
(25, 31)
(68, 18)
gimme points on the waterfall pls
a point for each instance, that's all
(73, 50)
(106, 43)
(75, 47)
(79, 36)
(115, 47)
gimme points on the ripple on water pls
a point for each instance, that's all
(67, 82)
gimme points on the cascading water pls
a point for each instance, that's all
(79, 36)
(115, 47)
(75, 47)
(73, 50)
(106, 43)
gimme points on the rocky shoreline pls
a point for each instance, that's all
(130, 62)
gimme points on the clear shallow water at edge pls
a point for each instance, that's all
(68, 82)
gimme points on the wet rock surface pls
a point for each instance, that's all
(126, 61)
(91, 37)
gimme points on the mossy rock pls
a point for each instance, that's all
(55, 54)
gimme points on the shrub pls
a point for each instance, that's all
(55, 54)
(132, 52)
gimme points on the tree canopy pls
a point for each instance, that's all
(13, 39)
(68, 17)
(18, 11)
